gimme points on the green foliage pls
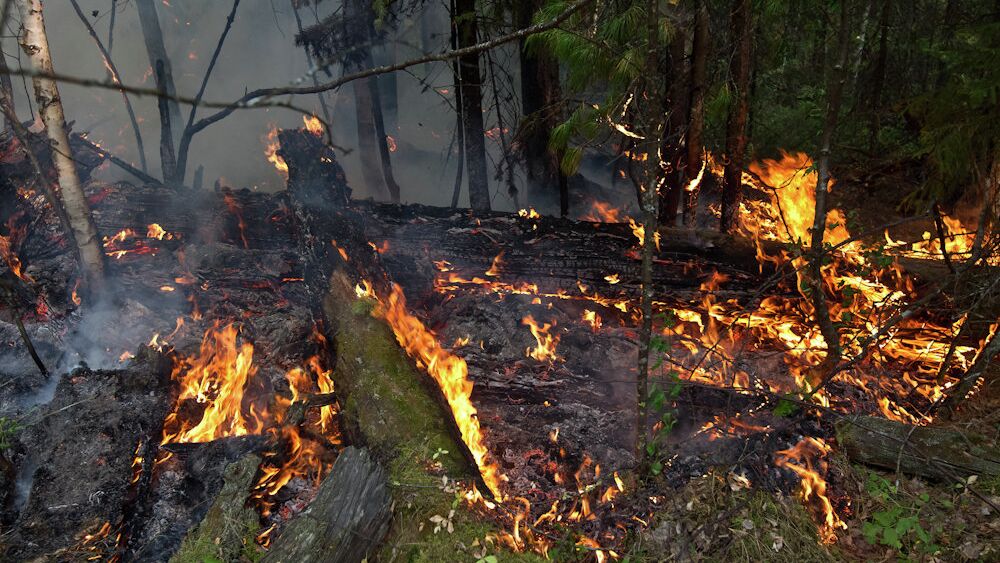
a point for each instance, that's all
(8, 428)
(960, 121)
(898, 523)
(602, 52)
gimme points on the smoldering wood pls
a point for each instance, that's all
(77, 454)
(347, 520)
(926, 451)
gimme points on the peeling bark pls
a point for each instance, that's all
(35, 44)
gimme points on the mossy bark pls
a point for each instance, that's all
(229, 529)
(386, 407)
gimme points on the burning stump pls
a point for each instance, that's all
(82, 458)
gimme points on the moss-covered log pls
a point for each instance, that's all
(926, 451)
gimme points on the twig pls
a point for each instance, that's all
(116, 78)
(121, 163)
(188, 133)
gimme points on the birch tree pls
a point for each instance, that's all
(36, 46)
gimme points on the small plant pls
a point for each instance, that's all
(8, 428)
(898, 524)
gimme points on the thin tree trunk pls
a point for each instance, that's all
(117, 79)
(36, 46)
(156, 50)
(817, 253)
(367, 142)
(696, 115)
(6, 91)
(168, 158)
(878, 76)
(673, 149)
(459, 129)
(111, 25)
(383, 140)
(472, 106)
(540, 98)
(736, 138)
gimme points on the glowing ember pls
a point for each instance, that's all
(495, 266)
(593, 319)
(528, 213)
(390, 141)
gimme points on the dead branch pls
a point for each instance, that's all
(115, 78)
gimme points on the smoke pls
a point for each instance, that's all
(261, 52)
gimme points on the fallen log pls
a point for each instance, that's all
(926, 451)
(347, 520)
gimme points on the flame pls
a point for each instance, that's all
(216, 378)
(804, 459)
(313, 125)
(271, 146)
(495, 266)
(390, 142)
(528, 213)
(602, 212)
(449, 371)
(545, 347)
(593, 319)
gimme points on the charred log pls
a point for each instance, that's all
(347, 520)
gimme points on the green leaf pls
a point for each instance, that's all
(656, 468)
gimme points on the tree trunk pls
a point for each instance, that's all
(925, 450)
(6, 92)
(383, 139)
(696, 115)
(464, 17)
(540, 103)
(736, 139)
(157, 51)
(367, 141)
(817, 253)
(673, 149)
(35, 44)
(878, 76)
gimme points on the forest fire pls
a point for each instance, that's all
(494, 303)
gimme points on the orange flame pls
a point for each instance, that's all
(449, 371)
(804, 459)
(545, 347)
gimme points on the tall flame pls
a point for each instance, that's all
(449, 371)
(217, 378)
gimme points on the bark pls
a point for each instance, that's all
(157, 51)
(821, 309)
(540, 98)
(696, 115)
(736, 138)
(6, 92)
(464, 16)
(650, 209)
(376, 166)
(35, 44)
(459, 130)
(925, 451)
(673, 145)
(168, 159)
(346, 521)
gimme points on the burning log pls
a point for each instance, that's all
(347, 520)
(926, 451)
